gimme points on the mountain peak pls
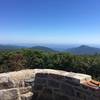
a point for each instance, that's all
(83, 46)
(84, 49)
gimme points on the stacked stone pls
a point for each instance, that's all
(59, 85)
(13, 87)
(47, 84)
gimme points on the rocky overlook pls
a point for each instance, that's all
(47, 84)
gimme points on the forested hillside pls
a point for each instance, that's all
(42, 48)
(27, 58)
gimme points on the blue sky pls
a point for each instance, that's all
(50, 21)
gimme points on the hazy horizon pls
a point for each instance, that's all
(52, 46)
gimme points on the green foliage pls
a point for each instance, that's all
(27, 58)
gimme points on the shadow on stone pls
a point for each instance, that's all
(48, 87)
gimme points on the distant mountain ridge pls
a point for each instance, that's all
(10, 47)
(84, 49)
(81, 50)
(14, 47)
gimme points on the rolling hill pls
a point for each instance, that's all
(84, 49)
(42, 48)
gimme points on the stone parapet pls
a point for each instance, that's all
(47, 84)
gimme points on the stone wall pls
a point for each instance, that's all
(47, 84)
